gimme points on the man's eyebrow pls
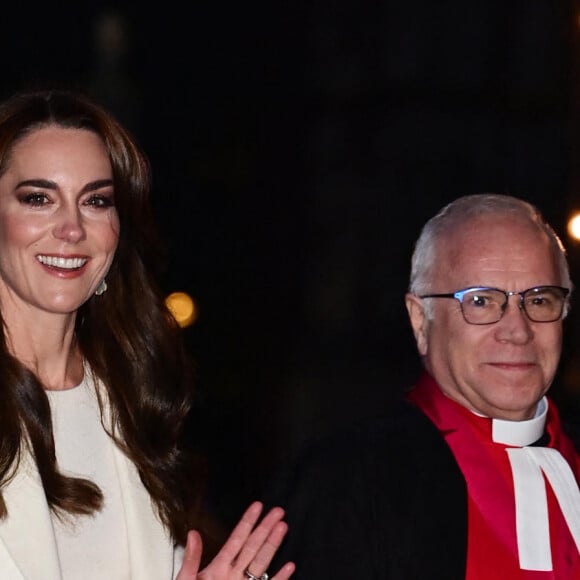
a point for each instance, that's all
(48, 184)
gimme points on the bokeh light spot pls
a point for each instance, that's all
(574, 226)
(182, 307)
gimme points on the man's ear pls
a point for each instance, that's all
(419, 321)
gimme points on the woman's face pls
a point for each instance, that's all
(59, 227)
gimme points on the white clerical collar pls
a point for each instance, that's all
(521, 433)
(531, 466)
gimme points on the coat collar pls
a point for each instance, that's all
(27, 541)
(150, 547)
(28, 546)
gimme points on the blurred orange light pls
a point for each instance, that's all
(574, 226)
(182, 307)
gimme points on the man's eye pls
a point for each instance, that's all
(541, 301)
(34, 199)
(479, 301)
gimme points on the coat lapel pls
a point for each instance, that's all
(150, 547)
(27, 546)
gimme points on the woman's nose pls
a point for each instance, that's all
(69, 226)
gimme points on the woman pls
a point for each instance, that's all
(95, 480)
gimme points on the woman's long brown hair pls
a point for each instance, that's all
(127, 336)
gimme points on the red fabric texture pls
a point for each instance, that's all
(492, 544)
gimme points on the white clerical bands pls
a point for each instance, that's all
(250, 576)
(532, 524)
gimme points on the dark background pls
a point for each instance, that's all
(297, 149)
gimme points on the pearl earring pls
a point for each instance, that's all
(102, 288)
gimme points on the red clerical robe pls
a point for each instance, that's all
(492, 537)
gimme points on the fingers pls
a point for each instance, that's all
(191, 557)
(264, 550)
(259, 549)
(252, 545)
(240, 534)
(265, 538)
(285, 572)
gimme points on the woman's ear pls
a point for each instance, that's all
(419, 321)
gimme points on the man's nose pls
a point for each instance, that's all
(514, 326)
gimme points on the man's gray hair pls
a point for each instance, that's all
(462, 210)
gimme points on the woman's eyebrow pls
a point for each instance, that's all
(48, 184)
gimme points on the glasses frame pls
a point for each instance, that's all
(459, 295)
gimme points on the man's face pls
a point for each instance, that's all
(500, 370)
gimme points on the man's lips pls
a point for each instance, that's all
(514, 365)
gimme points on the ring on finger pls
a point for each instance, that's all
(251, 576)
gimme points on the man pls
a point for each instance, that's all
(472, 475)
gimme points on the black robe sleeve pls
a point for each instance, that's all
(384, 500)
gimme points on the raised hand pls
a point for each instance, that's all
(247, 552)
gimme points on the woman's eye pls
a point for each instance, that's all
(34, 199)
(101, 201)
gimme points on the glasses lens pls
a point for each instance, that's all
(483, 306)
(544, 304)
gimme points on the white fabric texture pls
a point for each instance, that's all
(28, 547)
(89, 547)
(531, 466)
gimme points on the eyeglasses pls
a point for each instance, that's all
(483, 305)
